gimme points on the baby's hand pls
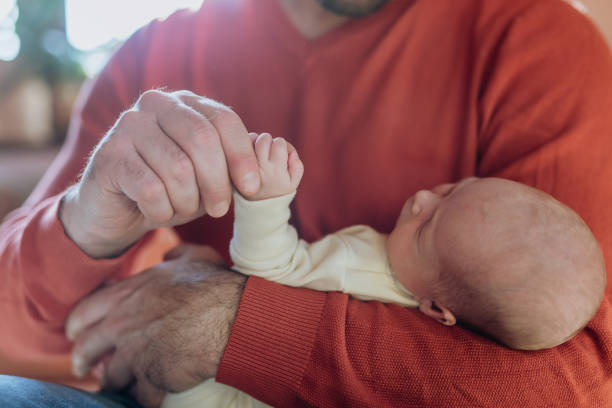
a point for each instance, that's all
(280, 167)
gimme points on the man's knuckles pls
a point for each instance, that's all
(225, 118)
(151, 99)
(149, 191)
(181, 169)
(132, 119)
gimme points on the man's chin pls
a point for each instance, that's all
(352, 8)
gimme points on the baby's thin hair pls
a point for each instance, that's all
(556, 269)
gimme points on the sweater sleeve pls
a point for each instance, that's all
(545, 102)
(43, 272)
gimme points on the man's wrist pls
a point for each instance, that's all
(75, 227)
(229, 289)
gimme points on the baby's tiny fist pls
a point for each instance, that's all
(280, 167)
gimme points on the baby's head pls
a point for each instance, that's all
(501, 257)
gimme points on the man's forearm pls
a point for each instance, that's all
(295, 347)
(168, 325)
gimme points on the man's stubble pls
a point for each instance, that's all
(352, 8)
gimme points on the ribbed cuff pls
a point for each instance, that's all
(257, 220)
(271, 341)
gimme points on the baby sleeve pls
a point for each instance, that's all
(353, 260)
(264, 244)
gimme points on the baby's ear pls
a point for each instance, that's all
(437, 311)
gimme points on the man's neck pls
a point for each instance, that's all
(310, 19)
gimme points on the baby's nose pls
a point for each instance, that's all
(424, 199)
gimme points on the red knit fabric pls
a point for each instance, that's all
(421, 92)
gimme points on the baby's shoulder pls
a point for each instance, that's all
(362, 239)
(359, 232)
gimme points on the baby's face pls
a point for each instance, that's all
(413, 245)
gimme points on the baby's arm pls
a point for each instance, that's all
(265, 244)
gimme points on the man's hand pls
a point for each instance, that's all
(166, 161)
(163, 330)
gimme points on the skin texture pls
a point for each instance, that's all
(163, 330)
(411, 246)
(504, 258)
(166, 161)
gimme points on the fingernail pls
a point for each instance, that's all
(250, 183)
(416, 208)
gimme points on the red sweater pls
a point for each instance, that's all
(421, 92)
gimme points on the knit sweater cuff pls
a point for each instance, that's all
(271, 341)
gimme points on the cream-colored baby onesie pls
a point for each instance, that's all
(352, 260)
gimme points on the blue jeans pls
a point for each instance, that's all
(17, 392)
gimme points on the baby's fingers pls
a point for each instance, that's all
(262, 148)
(278, 152)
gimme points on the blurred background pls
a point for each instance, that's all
(47, 49)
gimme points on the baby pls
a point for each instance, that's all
(499, 257)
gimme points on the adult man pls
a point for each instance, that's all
(432, 91)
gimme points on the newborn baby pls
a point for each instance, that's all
(499, 257)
